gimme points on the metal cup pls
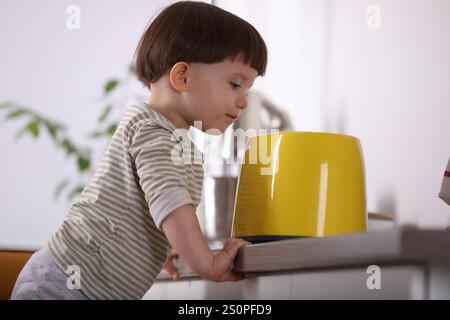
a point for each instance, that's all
(215, 211)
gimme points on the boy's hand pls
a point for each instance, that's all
(223, 261)
(170, 267)
(183, 231)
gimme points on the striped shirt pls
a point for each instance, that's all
(112, 233)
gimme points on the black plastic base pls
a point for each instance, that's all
(261, 239)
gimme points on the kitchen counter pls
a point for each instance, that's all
(404, 245)
(394, 263)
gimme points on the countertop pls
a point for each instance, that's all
(405, 245)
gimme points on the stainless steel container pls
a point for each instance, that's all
(215, 211)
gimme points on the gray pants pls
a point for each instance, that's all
(41, 279)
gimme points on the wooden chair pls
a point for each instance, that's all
(11, 263)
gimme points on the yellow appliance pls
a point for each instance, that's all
(300, 184)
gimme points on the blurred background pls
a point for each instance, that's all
(375, 70)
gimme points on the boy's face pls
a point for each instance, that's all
(217, 92)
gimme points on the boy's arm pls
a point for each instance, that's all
(184, 234)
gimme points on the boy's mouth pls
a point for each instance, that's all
(231, 116)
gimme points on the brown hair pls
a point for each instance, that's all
(196, 32)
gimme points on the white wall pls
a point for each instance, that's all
(60, 73)
(326, 69)
(389, 87)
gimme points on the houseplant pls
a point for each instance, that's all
(36, 124)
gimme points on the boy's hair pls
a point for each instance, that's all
(196, 32)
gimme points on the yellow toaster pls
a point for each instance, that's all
(300, 184)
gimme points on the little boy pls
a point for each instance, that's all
(198, 62)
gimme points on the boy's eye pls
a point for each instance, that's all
(234, 85)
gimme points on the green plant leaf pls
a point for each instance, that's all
(7, 104)
(68, 146)
(110, 85)
(104, 113)
(96, 134)
(111, 129)
(60, 187)
(32, 127)
(83, 163)
(52, 128)
(75, 191)
(16, 113)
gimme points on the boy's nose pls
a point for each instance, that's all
(241, 102)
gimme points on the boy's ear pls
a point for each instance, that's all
(178, 76)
